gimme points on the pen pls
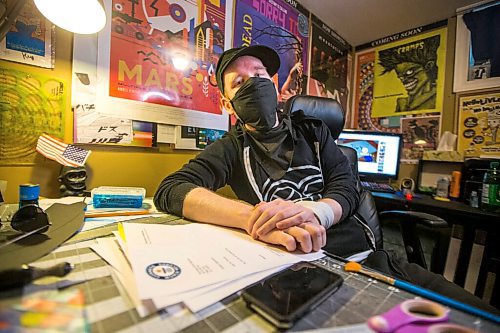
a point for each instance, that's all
(19, 277)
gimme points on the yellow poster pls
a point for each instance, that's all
(32, 104)
(479, 125)
(409, 75)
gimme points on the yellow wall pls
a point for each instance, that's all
(144, 167)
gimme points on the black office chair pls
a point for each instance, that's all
(331, 113)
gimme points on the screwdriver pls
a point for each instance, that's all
(19, 277)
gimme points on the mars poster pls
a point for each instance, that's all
(283, 26)
(157, 61)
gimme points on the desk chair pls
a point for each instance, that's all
(331, 113)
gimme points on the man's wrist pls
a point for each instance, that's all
(323, 212)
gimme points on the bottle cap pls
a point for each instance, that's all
(29, 192)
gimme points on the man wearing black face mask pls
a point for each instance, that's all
(292, 180)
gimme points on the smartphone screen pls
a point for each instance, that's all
(287, 295)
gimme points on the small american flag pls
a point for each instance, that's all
(61, 152)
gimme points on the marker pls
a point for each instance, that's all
(17, 278)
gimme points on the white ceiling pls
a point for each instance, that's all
(362, 21)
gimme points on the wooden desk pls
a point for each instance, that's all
(452, 211)
(472, 220)
(109, 308)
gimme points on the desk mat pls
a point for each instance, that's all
(110, 310)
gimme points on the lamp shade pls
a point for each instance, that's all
(78, 16)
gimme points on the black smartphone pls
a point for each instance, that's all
(287, 295)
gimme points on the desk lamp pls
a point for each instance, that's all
(78, 16)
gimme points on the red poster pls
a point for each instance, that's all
(165, 52)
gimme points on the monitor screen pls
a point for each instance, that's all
(378, 153)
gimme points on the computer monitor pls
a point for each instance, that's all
(378, 153)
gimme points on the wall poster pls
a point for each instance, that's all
(419, 134)
(384, 101)
(477, 55)
(89, 126)
(329, 64)
(409, 75)
(283, 26)
(479, 125)
(32, 105)
(30, 40)
(156, 61)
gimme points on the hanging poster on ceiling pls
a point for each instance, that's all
(329, 63)
(156, 61)
(283, 26)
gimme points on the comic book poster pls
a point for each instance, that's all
(419, 134)
(329, 64)
(29, 40)
(479, 125)
(156, 61)
(409, 75)
(282, 25)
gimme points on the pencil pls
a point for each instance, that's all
(117, 213)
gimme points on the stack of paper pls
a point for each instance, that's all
(194, 264)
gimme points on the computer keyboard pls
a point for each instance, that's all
(377, 187)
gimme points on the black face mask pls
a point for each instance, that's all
(256, 104)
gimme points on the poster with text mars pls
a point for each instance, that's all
(156, 61)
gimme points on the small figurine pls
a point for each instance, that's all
(72, 181)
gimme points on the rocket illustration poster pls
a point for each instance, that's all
(283, 26)
(156, 61)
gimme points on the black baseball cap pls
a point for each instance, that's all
(267, 55)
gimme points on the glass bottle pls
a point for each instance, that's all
(490, 198)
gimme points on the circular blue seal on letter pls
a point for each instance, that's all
(163, 271)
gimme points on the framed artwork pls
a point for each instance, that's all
(30, 39)
(471, 74)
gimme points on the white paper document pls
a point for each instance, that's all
(174, 260)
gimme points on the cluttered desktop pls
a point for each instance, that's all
(116, 265)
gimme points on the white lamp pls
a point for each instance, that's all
(78, 16)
